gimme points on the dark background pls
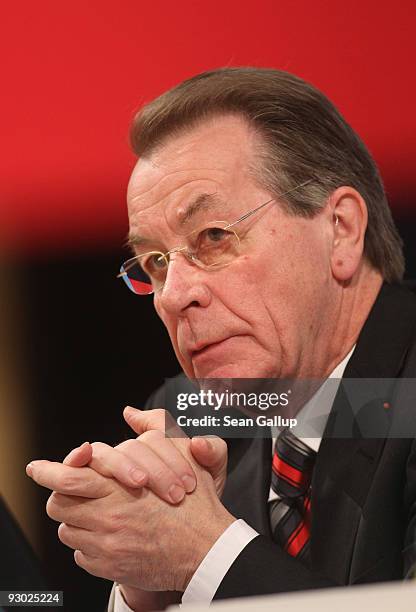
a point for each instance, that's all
(93, 347)
(72, 78)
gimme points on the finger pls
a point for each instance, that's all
(79, 456)
(83, 482)
(110, 462)
(76, 511)
(169, 454)
(144, 420)
(89, 542)
(210, 452)
(162, 480)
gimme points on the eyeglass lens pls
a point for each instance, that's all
(212, 247)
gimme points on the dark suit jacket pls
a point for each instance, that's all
(363, 491)
(19, 567)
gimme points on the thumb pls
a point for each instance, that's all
(146, 420)
(80, 456)
(211, 452)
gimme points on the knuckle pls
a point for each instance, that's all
(63, 533)
(152, 435)
(51, 506)
(99, 446)
(91, 485)
(159, 416)
(69, 483)
(115, 521)
(128, 445)
(158, 412)
(81, 560)
(102, 456)
(160, 474)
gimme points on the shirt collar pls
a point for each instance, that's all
(313, 416)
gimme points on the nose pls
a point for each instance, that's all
(185, 286)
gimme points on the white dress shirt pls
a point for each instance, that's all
(203, 585)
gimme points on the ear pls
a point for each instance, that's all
(349, 214)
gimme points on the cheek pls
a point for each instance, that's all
(279, 288)
(295, 290)
(237, 290)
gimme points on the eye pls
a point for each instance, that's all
(214, 239)
(214, 234)
(154, 263)
(158, 261)
(216, 246)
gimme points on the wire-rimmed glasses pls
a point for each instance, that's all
(212, 246)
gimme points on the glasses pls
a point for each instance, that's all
(212, 246)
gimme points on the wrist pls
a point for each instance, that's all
(139, 600)
(212, 532)
(148, 601)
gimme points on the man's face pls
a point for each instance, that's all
(264, 314)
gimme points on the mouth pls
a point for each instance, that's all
(204, 349)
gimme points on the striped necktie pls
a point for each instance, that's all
(292, 467)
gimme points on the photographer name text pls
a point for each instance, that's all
(227, 421)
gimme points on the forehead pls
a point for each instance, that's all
(213, 159)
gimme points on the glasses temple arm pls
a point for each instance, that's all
(251, 212)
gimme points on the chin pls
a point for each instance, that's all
(232, 370)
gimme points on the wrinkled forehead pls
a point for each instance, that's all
(198, 175)
(182, 198)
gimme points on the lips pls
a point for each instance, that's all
(195, 345)
(203, 348)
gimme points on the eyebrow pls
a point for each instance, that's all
(204, 201)
(134, 240)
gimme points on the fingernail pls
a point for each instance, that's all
(129, 411)
(189, 483)
(83, 445)
(176, 494)
(29, 469)
(137, 476)
(204, 443)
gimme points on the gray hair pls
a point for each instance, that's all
(305, 137)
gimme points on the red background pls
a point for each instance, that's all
(74, 73)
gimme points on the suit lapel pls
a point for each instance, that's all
(345, 465)
(342, 479)
(249, 473)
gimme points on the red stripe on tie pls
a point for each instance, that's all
(286, 478)
(287, 471)
(298, 540)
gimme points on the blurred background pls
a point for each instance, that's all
(75, 345)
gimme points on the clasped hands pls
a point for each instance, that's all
(144, 513)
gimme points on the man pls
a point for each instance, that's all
(259, 221)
